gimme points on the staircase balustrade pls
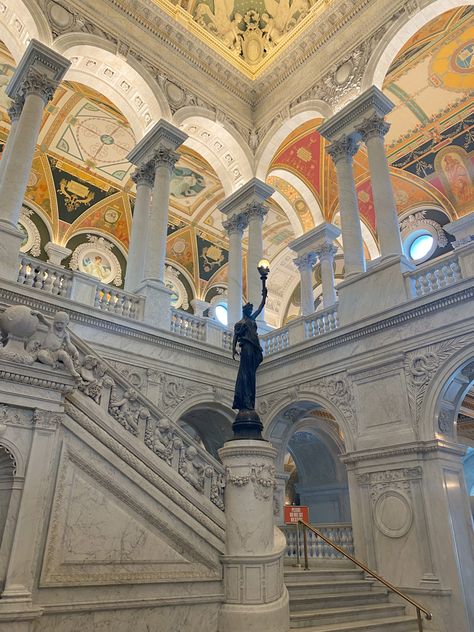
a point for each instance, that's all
(43, 276)
(340, 534)
(110, 299)
(275, 341)
(188, 325)
(321, 322)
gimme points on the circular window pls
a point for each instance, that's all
(221, 313)
(421, 246)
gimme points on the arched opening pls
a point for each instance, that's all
(209, 426)
(8, 468)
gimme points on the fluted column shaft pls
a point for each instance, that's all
(235, 227)
(372, 132)
(326, 258)
(37, 90)
(255, 212)
(144, 178)
(342, 152)
(164, 161)
(14, 112)
(305, 265)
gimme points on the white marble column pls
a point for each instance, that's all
(164, 160)
(14, 112)
(235, 227)
(342, 152)
(326, 254)
(305, 264)
(144, 178)
(255, 212)
(372, 131)
(255, 595)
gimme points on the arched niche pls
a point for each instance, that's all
(208, 423)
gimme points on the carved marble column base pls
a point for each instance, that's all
(157, 311)
(383, 282)
(10, 242)
(256, 599)
(16, 617)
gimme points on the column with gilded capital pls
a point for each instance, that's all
(305, 264)
(235, 227)
(342, 152)
(32, 85)
(158, 150)
(144, 178)
(372, 131)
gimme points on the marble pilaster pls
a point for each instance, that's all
(305, 264)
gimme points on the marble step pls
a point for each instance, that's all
(354, 613)
(337, 586)
(329, 574)
(391, 624)
(299, 603)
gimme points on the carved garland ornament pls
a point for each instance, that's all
(262, 478)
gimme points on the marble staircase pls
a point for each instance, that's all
(336, 597)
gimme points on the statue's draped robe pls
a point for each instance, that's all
(251, 356)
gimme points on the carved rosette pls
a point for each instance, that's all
(373, 127)
(164, 157)
(345, 148)
(145, 174)
(327, 252)
(305, 262)
(40, 84)
(236, 224)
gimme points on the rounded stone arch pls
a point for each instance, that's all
(278, 418)
(219, 143)
(211, 421)
(15, 455)
(124, 81)
(303, 189)
(277, 133)
(397, 36)
(444, 395)
(31, 23)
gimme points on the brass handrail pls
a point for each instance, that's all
(419, 607)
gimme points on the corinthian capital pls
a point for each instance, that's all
(374, 126)
(40, 84)
(327, 251)
(343, 149)
(256, 209)
(164, 157)
(236, 224)
(145, 174)
(305, 262)
(14, 111)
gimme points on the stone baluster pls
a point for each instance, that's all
(144, 178)
(326, 254)
(342, 152)
(235, 227)
(305, 264)
(33, 84)
(372, 131)
(255, 212)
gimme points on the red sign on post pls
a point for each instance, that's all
(293, 514)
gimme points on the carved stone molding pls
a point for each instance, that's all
(40, 84)
(10, 416)
(16, 107)
(338, 390)
(421, 366)
(164, 157)
(145, 174)
(306, 261)
(47, 420)
(373, 127)
(419, 220)
(236, 223)
(345, 148)
(262, 477)
(175, 390)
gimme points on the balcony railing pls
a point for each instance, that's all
(434, 275)
(275, 341)
(340, 534)
(45, 276)
(321, 322)
(110, 299)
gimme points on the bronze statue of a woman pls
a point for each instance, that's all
(247, 424)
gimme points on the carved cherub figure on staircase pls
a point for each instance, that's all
(56, 347)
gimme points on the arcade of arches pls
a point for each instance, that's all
(151, 155)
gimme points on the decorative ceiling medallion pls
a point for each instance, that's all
(97, 259)
(32, 240)
(179, 298)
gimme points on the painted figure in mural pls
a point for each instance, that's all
(457, 176)
(251, 355)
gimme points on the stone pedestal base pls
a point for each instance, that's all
(10, 242)
(247, 425)
(18, 618)
(256, 599)
(384, 283)
(157, 311)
